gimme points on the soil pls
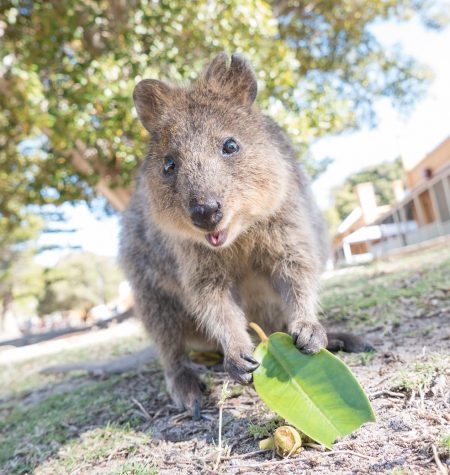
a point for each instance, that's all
(407, 381)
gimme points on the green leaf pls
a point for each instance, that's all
(317, 394)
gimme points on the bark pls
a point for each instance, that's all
(7, 300)
(86, 161)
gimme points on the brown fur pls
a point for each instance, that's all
(189, 293)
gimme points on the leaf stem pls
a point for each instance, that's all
(267, 444)
(259, 331)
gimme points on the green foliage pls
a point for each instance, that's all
(40, 429)
(367, 357)
(381, 176)
(19, 276)
(444, 442)
(15, 234)
(422, 374)
(259, 430)
(79, 282)
(68, 68)
(317, 394)
(385, 292)
(137, 468)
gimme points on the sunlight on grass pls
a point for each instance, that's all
(93, 446)
(30, 433)
(373, 294)
(24, 375)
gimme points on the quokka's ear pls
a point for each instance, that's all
(236, 81)
(151, 97)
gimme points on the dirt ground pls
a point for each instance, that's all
(125, 424)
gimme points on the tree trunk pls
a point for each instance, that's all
(7, 299)
(85, 161)
(117, 197)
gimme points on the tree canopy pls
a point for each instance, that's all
(17, 272)
(79, 282)
(68, 129)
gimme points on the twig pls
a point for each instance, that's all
(411, 398)
(220, 426)
(246, 455)
(181, 416)
(158, 412)
(440, 465)
(422, 398)
(190, 463)
(331, 452)
(386, 392)
(314, 446)
(260, 464)
(217, 462)
(81, 467)
(223, 397)
(382, 380)
(206, 417)
(348, 452)
(205, 468)
(142, 409)
(280, 462)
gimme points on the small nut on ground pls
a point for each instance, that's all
(285, 440)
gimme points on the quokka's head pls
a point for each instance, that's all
(213, 168)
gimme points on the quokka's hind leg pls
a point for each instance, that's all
(168, 325)
(348, 342)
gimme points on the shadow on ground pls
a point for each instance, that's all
(84, 418)
(126, 424)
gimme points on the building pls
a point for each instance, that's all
(421, 212)
(355, 234)
(424, 211)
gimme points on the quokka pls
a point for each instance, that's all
(222, 229)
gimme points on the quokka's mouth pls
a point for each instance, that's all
(217, 238)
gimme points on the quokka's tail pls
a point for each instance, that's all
(348, 342)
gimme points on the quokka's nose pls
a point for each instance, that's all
(206, 214)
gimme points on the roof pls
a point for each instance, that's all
(412, 159)
(409, 195)
(349, 220)
(366, 233)
(377, 231)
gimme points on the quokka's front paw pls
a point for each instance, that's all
(240, 366)
(186, 389)
(309, 337)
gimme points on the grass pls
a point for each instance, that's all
(373, 294)
(60, 424)
(23, 376)
(39, 430)
(444, 444)
(358, 359)
(423, 374)
(136, 468)
(97, 445)
(259, 430)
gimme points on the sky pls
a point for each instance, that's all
(99, 236)
(395, 135)
(415, 135)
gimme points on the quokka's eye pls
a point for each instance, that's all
(169, 165)
(230, 147)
